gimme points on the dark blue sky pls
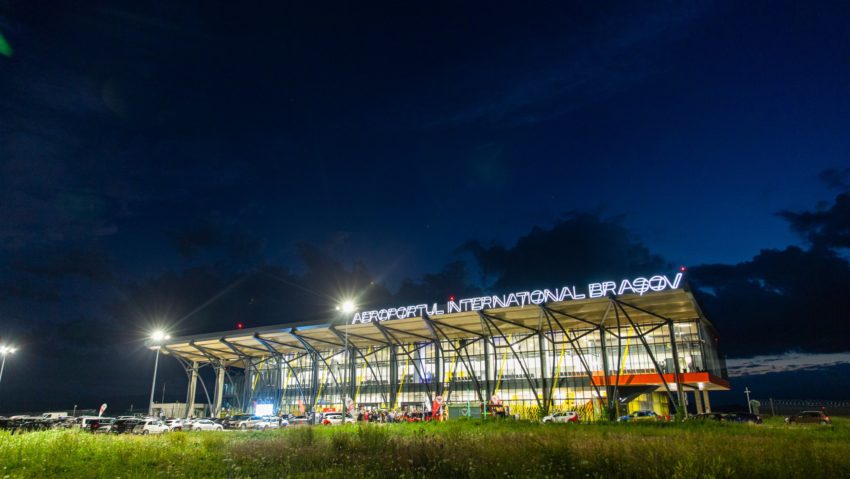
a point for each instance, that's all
(139, 141)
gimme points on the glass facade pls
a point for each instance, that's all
(529, 372)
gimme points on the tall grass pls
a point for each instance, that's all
(447, 450)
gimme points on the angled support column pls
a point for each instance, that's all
(193, 387)
(698, 400)
(437, 327)
(648, 350)
(543, 354)
(219, 389)
(677, 374)
(575, 347)
(603, 347)
(393, 376)
(530, 380)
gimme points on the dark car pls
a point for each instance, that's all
(742, 417)
(233, 422)
(125, 426)
(809, 417)
(708, 416)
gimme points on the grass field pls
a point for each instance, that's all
(445, 450)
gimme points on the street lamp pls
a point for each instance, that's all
(5, 351)
(158, 337)
(346, 307)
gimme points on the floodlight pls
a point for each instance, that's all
(348, 306)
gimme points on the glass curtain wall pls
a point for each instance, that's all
(521, 370)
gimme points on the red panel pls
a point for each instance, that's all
(655, 379)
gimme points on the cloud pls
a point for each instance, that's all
(28, 290)
(217, 234)
(836, 178)
(63, 260)
(779, 300)
(826, 228)
(583, 247)
(517, 85)
(787, 362)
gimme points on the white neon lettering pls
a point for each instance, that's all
(523, 296)
(608, 286)
(535, 297)
(595, 290)
(675, 283)
(486, 302)
(477, 304)
(656, 283)
(641, 285)
(638, 285)
(625, 285)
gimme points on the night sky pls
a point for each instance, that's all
(196, 164)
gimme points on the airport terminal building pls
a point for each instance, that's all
(601, 349)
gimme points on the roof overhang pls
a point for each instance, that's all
(235, 346)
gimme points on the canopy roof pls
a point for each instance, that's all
(234, 346)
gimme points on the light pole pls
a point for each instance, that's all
(749, 404)
(158, 337)
(5, 351)
(347, 307)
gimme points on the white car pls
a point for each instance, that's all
(249, 422)
(151, 426)
(271, 422)
(335, 419)
(205, 425)
(177, 424)
(566, 417)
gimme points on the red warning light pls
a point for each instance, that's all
(240, 325)
(451, 298)
(682, 269)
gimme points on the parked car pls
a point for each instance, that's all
(742, 417)
(106, 429)
(54, 415)
(204, 425)
(640, 416)
(178, 424)
(271, 422)
(299, 420)
(708, 416)
(335, 419)
(565, 417)
(124, 426)
(809, 417)
(150, 426)
(238, 421)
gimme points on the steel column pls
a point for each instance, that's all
(543, 354)
(677, 373)
(219, 390)
(193, 386)
(605, 369)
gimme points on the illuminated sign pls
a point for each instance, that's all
(638, 285)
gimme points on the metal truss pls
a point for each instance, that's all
(550, 333)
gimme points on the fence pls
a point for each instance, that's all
(785, 407)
